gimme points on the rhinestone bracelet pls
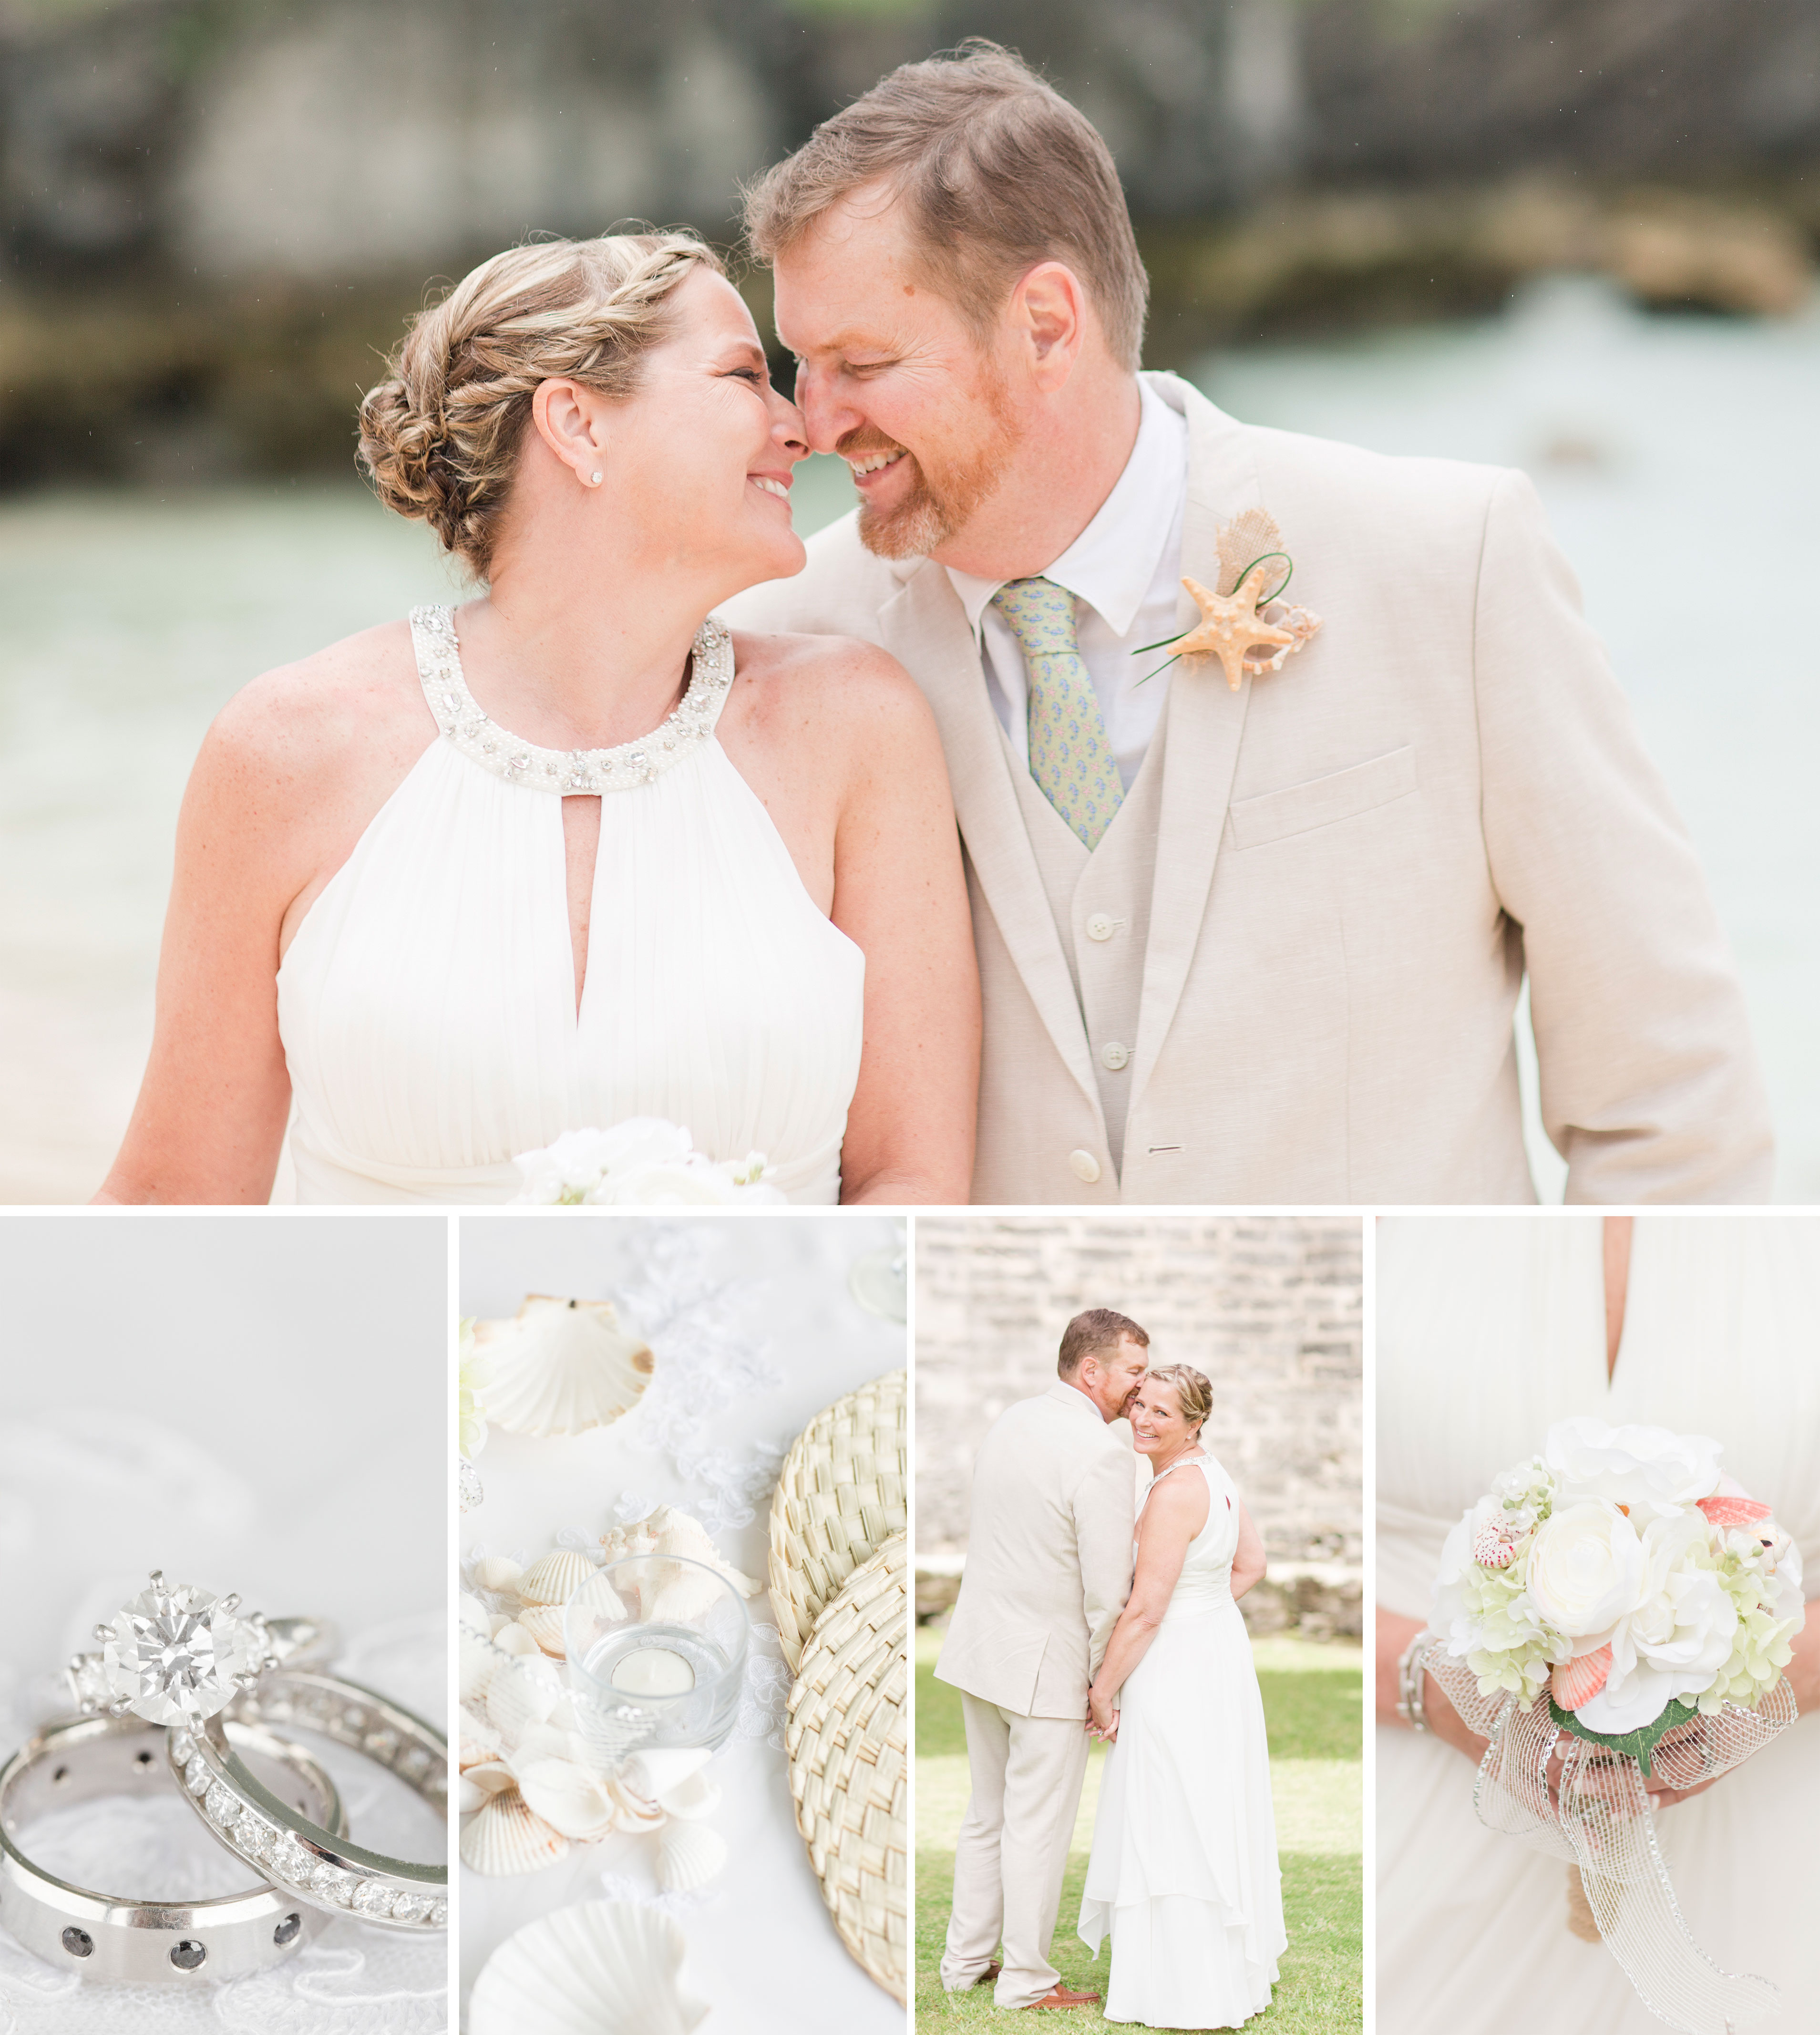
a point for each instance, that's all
(1410, 1669)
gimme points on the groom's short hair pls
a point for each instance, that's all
(1098, 1329)
(999, 173)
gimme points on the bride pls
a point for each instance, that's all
(1183, 1874)
(569, 853)
(1488, 1332)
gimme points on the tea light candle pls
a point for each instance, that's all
(653, 1671)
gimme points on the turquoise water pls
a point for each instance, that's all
(1675, 456)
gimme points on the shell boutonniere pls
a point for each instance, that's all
(1245, 621)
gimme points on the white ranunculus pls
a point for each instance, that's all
(1586, 1569)
(1676, 1639)
(1643, 1468)
(688, 1179)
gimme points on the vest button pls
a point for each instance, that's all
(1100, 926)
(1115, 1056)
(1085, 1166)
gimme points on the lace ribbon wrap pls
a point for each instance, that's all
(1599, 1815)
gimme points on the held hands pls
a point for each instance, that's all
(1102, 1718)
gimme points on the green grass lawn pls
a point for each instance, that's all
(1313, 1696)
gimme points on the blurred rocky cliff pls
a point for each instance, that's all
(215, 214)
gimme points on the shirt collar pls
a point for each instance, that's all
(1113, 563)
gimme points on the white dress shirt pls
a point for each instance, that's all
(1123, 571)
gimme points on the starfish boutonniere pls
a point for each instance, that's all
(1247, 628)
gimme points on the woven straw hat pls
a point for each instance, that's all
(843, 1492)
(849, 1772)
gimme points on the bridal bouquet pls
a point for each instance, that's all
(1618, 1605)
(643, 1161)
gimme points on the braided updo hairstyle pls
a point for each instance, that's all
(441, 438)
(1193, 1394)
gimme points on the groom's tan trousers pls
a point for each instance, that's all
(1026, 1773)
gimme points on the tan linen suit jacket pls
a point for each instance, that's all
(1048, 1557)
(1356, 860)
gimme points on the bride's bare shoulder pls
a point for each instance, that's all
(847, 686)
(356, 704)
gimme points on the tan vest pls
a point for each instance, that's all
(1100, 902)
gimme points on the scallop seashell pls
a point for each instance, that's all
(633, 1810)
(506, 1838)
(671, 1778)
(568, 1797)
(512, 1638)
(600, 1968)
(479, 1743)
(688, 1854)
(478, 1662)
(479, 1783)
(544, 1623)
(554, 1579)
(496, 1572)
(522, 1695)
(1578, 1681)
(563, 1367)
(474, 1614)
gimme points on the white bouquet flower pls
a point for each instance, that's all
(645, 1161)
(1621, 1571)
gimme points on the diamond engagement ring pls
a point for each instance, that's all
(180, 1655)
(322, 1866)
(110, 1937)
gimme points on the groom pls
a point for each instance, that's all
(1253, 945)
(1048, 1571)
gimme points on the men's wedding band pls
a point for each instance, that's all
(320, 1866)
(111, 1937)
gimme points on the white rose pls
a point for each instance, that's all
(1643, 1468)
(691, 1178)
(1675, 1641)
(1586, 1569)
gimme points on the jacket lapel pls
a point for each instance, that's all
(924, 626)
(1202, 724)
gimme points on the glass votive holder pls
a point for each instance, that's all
(656, 1646)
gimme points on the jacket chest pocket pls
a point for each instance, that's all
(1322, 801)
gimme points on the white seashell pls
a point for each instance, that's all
(568, 1797)
(688, 1854)
(481, 1783)
(474, 1616)
(563, 1367)
(506, 1838)
(478, 1662)
(522, 1695)
(497, 1623)
(671, 1778)
(480, 1744)
(497, 1572)
(566, 1717)
(554, 1579)
(689, 1800)
(544, 1623)
(600, 1968)
(632, 1811)
(512, 1638)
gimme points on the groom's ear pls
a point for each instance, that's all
(1049, 314)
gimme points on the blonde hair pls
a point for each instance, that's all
(1193, 1394)
(442, 438)
(999, 172)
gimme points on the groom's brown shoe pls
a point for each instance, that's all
(1061, 1997)
(990, 1975)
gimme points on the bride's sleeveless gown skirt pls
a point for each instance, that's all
(1183, 1875)
(1489, 1332)
(427, 1001)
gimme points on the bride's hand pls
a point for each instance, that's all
(1103, 1719)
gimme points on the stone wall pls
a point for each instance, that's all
(1269, 1307)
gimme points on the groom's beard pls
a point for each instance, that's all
(942, 499)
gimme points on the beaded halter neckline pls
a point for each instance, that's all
(566, 772)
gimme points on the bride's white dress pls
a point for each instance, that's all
(1183, 1875)
(427, 1001)
(1489, 1331)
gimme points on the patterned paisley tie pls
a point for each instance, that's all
(1070, 757)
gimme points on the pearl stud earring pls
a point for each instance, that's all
(594, 480)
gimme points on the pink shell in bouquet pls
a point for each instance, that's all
(1726, 1513)
(1573, 1683)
